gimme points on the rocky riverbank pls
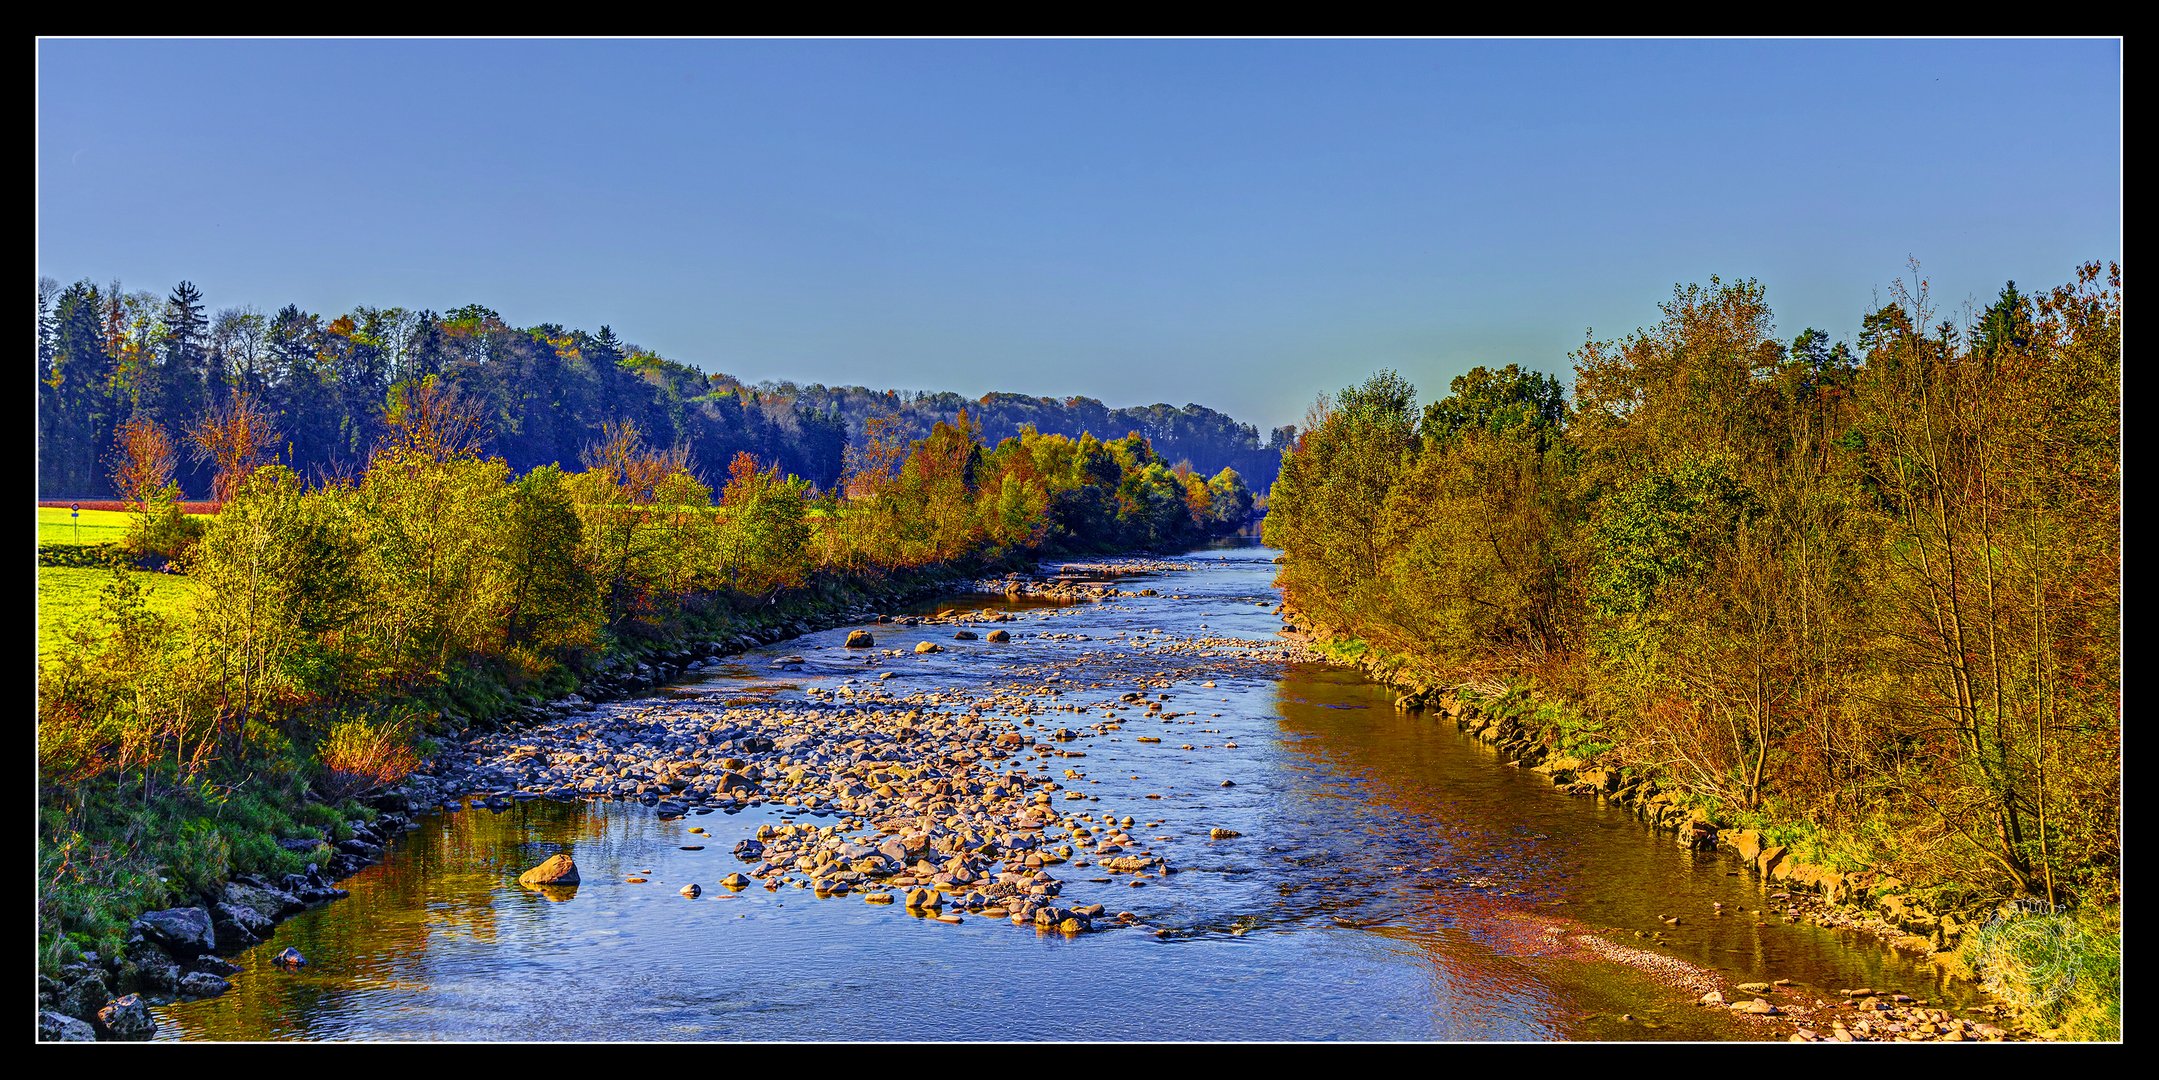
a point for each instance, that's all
(1782, 1008)
(176, 953)
(1072, 582)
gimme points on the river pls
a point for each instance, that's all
(1390, 880)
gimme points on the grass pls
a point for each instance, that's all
(2061, 972)
(109, 853)
(55, 528)
(68, 597)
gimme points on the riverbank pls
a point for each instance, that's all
(1530, 731)
(281, 854)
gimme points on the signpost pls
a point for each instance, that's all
(74, 511)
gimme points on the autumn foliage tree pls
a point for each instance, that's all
(232, 440)
(142, 464)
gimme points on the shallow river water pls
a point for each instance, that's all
(1391, 880)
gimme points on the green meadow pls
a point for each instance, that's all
(55, 528)
(68, 597)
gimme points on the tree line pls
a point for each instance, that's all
(335, 620)
(107, 356)
(1872, 588)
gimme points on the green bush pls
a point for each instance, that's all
(165, 534)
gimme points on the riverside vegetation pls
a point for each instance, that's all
(217, 747)
(1855, 608)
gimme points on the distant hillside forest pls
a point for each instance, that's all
(106, 356)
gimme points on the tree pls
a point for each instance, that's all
(549, 590)
(142, 465)
(767, 527)
(277, 571)
(624, 479)
(1325, 508)
(1496, 401)
(234, 439)
(183, 376)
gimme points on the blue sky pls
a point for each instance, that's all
(1243, 224)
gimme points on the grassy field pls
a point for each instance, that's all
(55, 528)
(67, 597)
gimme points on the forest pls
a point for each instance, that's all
(1867, 591)
(107, 355)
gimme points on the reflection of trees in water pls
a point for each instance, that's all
(452, 878)
(1385, 814)
(1512, 997)
(1384, 789)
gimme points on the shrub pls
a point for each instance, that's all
(165, 534)
(359, 756)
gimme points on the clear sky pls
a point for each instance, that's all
(1243, 224)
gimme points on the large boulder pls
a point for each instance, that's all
(242, 925)
(558, 870)
(1129, 864)
(860, 639)
(360, 849)
(214, 965)
(928, 647)
(84, 996)
(271, 902)
(731, 782)
(1834, 886)
(1748, 843)
(127, 1019)
(999, 636)
(146, 967)
(60, 1027)
(1771, 860)
(183, 932)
